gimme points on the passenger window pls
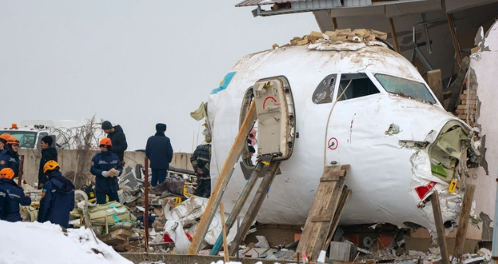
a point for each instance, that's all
(355, 85)
(325, 90)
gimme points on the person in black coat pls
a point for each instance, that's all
(57, 197)
(160, 153)
(118, 139)
(48, 153)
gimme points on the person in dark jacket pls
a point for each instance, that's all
(15, 192)
(9, 157)
(48, 153)
(160, 153)
(118, 139)
(106, 167)
(200, 160)
(4, 204)
(57, 197)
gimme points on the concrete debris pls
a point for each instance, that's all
(339, 35)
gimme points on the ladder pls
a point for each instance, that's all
(325, 212)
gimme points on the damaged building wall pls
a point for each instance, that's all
(483, 64)
(72, 161)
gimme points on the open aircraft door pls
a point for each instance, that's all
(275, 123)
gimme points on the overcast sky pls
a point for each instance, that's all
(135, 63)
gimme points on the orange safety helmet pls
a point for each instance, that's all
(50, 165)
(5, 136)
(106, 142)
(13, 141)
(7, 173)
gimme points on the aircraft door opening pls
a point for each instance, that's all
(274, 128)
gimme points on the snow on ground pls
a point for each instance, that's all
(29, 243)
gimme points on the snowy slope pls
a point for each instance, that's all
(28, 243)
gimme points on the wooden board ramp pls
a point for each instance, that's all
(253, 210)
(325, 212)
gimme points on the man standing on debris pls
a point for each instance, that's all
(106, 166)
(3, 141)
(118, 139)
(57, 197)
(48, 153)
(9, 157)
(160, 153)
(200, 161)
(15, 192)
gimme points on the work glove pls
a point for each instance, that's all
(113, 172)
(105, 173)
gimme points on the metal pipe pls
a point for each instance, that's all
(426, 34)
(495, 229)
(146, 215)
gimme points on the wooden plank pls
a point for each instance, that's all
(222, 182)
(322, 218)
(238, 206)
(395, 36)
(436, 84)
(333, 175)
(436, 209)
(463, 221)
(253, 209)
(326, 200)
(226, 256)
(454, 38)
(337, 216)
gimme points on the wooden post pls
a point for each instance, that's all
(21, 170)
(436, 84)
(226, 255)
(454, 38)
(334, 21)
(222, 182)
(253, 209)
(238, 206)
(438, 220)
(146, 213)
(463, 221)
(395, 36)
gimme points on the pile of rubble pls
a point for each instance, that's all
(338, 36)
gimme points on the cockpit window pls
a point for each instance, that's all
(325, 90)
(405, 87)
(355, 85)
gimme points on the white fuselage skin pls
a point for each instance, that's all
(383, 172)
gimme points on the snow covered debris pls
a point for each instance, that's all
(27, 243)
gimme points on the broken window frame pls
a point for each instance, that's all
(369, 76)
(430, 98)
(329, 89)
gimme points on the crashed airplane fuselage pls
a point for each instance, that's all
(358, 104)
